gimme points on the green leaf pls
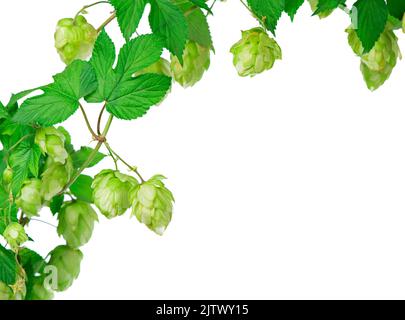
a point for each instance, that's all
(327, 5)
(79, 157)
(56, 203)
(129, 14)
(133, 98)
(167, 21)
(371, 17)
(8, 266)
(396, 8)
(3, 112)
(138, 54)
(31, 261)
(60, 99)
(102, 60)
(24, 160)
(15, 97)
(81, 188)
(269, 12)
(198, 28)
(292, 6)
(8, 211)
(202, 4)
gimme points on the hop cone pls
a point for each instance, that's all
(30, 198)
(15, 235)
(111, 192)
(196, 60)
(7, 176)
(6, 293)
(153, 204)
(76, 223)
(67, 263)
(38, 291)
(52, 142)
(74, 39)
(376, 65)
(255, 52)
(55, 177)
(162, 67)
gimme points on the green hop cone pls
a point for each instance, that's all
(314, 7)
(51, 141)
(55, 177)
(67, 263)
(15, 235)
(38, 291)
(7, 176)
(74, 39)
(153, 204)
(76, 223)
(6, 293)
(196, 60)
(30, 198)
(162, 67)
(111, 192)
(378, 64)
(255, 52)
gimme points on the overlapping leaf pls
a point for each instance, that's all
(269, 12)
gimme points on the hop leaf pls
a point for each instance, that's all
(51, 141)
(76, 223)
(67, 263)
(255, 52)
(196, 60)
(378, 64)
(74, 39)
(162, 67)
(30, 199)
(111, 192)
(15, 235)
(6, 293)
(55, 177)
(153, 204)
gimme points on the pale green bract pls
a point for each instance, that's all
(67, 263)
(255, 52)
(30, 199)
(378, 64)
(196, 60)
(6, 293)
(74, 39)
(51, 141)
(111, 192)
(55, 177)
(15, 235)
(76, 223)
(153, 204)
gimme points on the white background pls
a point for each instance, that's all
(289, 185)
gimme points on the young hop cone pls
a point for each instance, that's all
(255, 52)
(6, 293)
(376, 65)
(55, 177)
(76, 223)
(153, 204)
(51, 141)
(67, 263)
(38, 291)
(30, 199)
(15, 235)
(74, 39)
(111, 192)
(196, 60)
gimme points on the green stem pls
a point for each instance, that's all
(86, 119)
(89, 6)
(250, 10)
(105, 23)
(92, 155)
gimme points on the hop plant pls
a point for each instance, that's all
(15, 235)
(376, 65)
(162, 67)
(30, 198)
(76, 223)
(196, 60)
(6, 293)
(52, 142)
(74, 39)
(67, 263)
(153, 204)
(255, 52)
(55, 177)
(314, 7)
(111, 192)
